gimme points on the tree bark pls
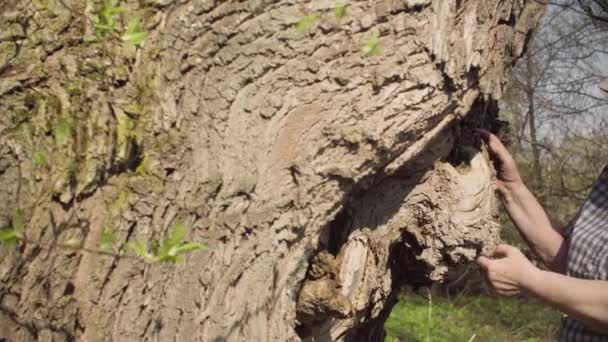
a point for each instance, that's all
(321, 178)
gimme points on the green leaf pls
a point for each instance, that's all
(168, 258)
(174, 239)
(372, 46)
(104, 27)
(176, 252)
(306, 22)
(134, 35)
(141, 250)
(187, 247)
(104, 22)
(143, 167)
(107, 240)
(40, 158)
(173, 246)
(18, 222)
(341, 11)
(8, 234)
(63, 130)
(178, 259)
(178, 234)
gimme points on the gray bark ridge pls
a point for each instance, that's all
(321, 178)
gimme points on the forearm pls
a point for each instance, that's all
(534, 224)
(584, 300)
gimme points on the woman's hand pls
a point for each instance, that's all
(507, 174)
(509, 272)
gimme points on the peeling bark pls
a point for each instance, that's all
(321, 179)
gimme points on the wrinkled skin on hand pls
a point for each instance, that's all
(506, 169)
(508, 270)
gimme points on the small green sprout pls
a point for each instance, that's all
(306, 22)
(143, 167)
(40, 158)
(63, 130)
(341, 11)
(107, 240)
(105, 23)
(140, 249)
(171, 248)
(372, 46)
(134, 35)
(10, 236)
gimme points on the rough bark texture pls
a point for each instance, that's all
(320, 178)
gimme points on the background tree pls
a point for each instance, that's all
(557, 108)
(323, 152)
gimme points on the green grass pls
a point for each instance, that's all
(474, 318)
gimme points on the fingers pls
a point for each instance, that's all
(485, 135)
(499, 186)
(496, 146)
(484, 263)
(507, 293)
(500, 284)
(503, 250)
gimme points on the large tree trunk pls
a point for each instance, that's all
(320, 177)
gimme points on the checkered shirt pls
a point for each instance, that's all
(587, 238)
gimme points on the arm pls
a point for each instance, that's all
(523, 208)
(534, 225)
(584, 300)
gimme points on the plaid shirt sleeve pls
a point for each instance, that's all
(567, 229)
(587, 237)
